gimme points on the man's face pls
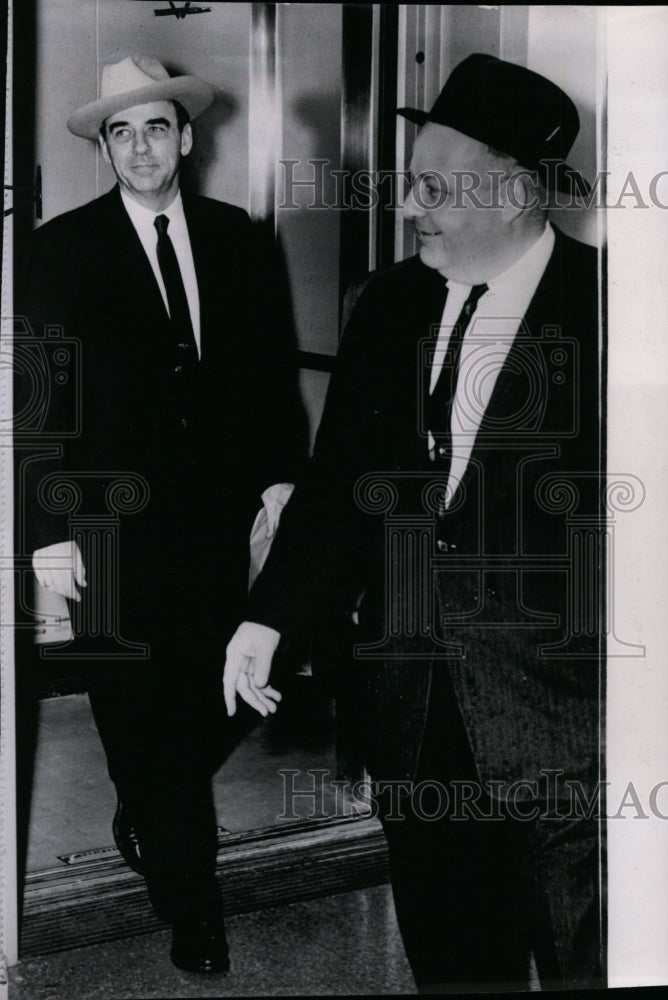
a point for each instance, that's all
(144, 146)
(462, 243)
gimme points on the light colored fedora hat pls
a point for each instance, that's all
(138, 80)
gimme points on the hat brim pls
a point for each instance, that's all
(194, 94)
(555, 174)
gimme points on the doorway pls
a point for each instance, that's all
(280, 81)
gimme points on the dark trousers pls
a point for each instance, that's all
(476, 891)
(165, 733)
(178, 588)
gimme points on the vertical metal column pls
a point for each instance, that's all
(8, 855)
(390, 185)
(264, 113)
(358, 102)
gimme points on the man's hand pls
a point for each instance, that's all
(247, 667)
(60, 568)
(274, 499)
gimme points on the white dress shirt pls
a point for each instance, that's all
(485, 346)
(143, 219)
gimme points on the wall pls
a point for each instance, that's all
(310, 77)
(637, 736)
(65, 38)
(563, 44)
(310, 82)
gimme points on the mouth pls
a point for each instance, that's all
(144, 167)
(425, 234)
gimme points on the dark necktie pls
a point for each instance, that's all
(184, 338)
(439, 404)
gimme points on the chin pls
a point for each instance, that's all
(431, 257)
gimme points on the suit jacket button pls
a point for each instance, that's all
(184, 422)
(442, 546)
(178, 368)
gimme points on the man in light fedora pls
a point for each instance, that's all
(453, 502)
(189, 420)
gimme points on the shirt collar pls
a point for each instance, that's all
(526, 271)
(145, 217)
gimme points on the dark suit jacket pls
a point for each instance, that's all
(97, 385)
(502, 585)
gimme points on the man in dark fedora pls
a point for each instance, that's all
(186, 420)
(453, 502)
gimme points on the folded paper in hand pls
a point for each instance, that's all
(52, 616)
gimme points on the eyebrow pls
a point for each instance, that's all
(149, 121)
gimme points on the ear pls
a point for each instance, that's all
(186, 139)
(105, 151)
(519, 195)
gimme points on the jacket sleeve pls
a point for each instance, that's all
(47, 357)
(276, 426)
(324, 543)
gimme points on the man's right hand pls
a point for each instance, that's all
(247, 668)
(59, 568)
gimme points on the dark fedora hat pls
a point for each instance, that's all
(513, 110)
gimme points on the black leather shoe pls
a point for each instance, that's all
(199, 945)
(126, 838)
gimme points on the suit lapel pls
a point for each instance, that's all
(424, 312)
(503, 404)
(208, 280)
(127, 259)
(431, 301)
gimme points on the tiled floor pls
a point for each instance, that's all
(345, 945)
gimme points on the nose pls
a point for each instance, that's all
(140, 143)
(412, 208)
